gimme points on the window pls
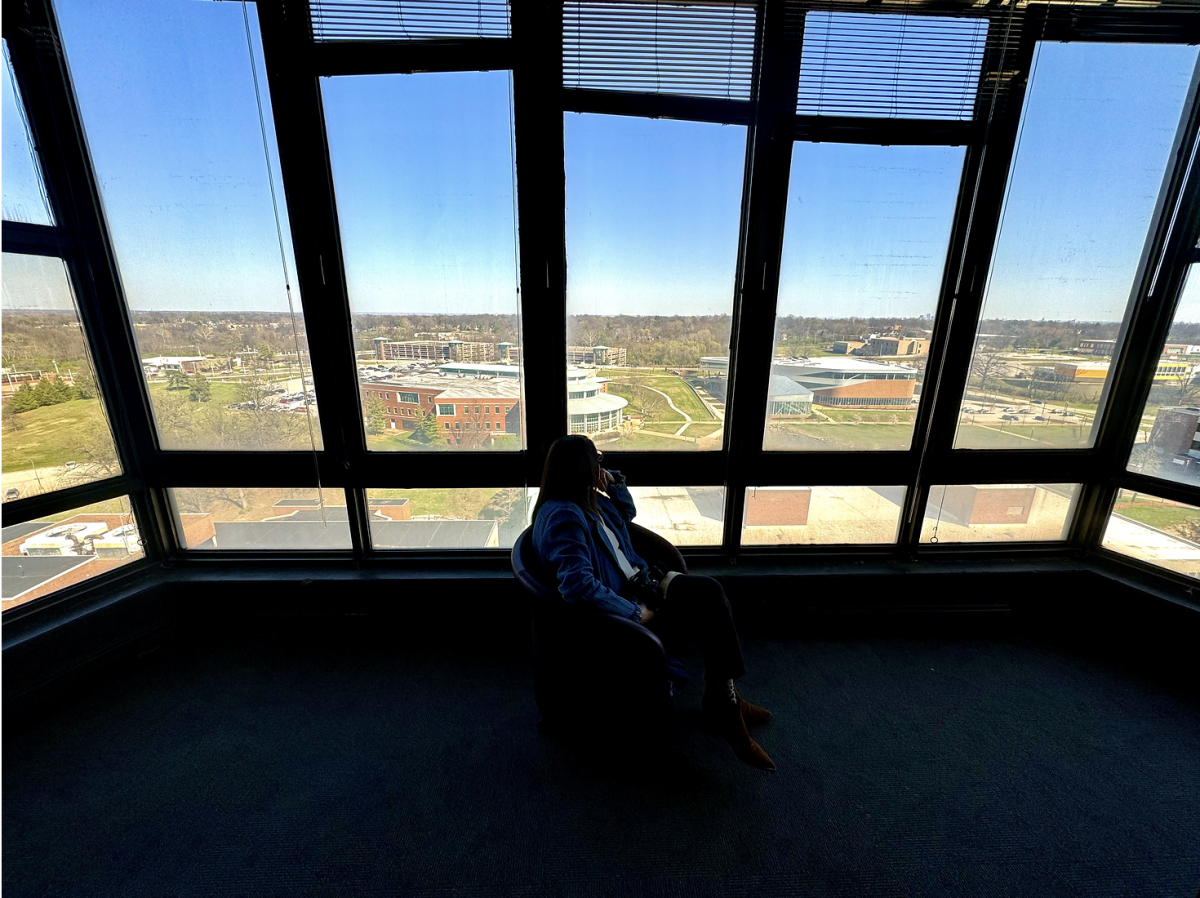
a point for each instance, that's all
(23, 188)
(1156, 531)
(1095, 139)
(822, 515)
(685, 515)
(447, 410)
(1167, 444)
(167, 92)
(448, 519)
(408, 397)
(998, 512)
(238, 519)
(43, 556)
(423, 170)
(56, 431)
(867, 234)
(653, 209)
(890, 65)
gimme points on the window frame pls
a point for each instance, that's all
(295, 62)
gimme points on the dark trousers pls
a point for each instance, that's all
(697, 611)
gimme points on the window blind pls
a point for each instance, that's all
(688, 49)
(394, 20)
(890, 66)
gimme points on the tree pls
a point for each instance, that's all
(376, 414)
(12, 421)
(24, 400)
(199, 390)
(85, 384)
(178, 381)
(428, 430)
(266, 353)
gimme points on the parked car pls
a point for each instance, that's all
(1010, 410)
(1009, 418)
(1025, 411)
(12, 493)
(69, 466)
(1040, 418)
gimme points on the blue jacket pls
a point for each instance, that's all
(571, 543)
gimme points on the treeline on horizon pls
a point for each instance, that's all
(33, 338)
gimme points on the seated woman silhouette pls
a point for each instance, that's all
(580, 533)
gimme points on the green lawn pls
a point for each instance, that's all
(702, 430)
(666, 426)
(462, 504)
(1031, 436)
(1155, 514)
(850, 415)
(681, 394)
(641, 440)
(53, 434)
(810, 437)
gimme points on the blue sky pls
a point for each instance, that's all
(23, 199)
(423, 172)
(423, 175)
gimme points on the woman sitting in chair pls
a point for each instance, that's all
(580, 533)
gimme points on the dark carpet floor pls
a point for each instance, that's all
(972, 767)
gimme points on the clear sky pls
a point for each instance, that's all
(653, 210)
(423, 171)
(423, 175)
(23, 200)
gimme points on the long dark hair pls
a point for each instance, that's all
(572, 469)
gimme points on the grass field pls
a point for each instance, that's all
(702, 430)
(681, 394)
(1156, 514)
(402, 441)
(641, 440)
(1032, 436)
(666, 426)
(52, 435)
(460, 504)
(817, 437)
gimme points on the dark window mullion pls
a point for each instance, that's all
(1161, 274)
(541, 216)
(54, 120)
(320, 272)
(769, 159)
(977, 224)
(389, 57)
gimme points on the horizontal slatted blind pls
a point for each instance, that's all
(688, 49)
(397, 20)
(890, 66)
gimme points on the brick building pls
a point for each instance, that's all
(433, 350)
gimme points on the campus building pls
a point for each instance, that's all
(172, 364)
(611, 356)
(852, 383)
(1098, 347)
(894, 346)
(473, 403)
(432, 350)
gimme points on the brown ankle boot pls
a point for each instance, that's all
(753, 714)
(732, 728)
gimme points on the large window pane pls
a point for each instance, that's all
(24, 195)
(242, 519)
(684, 515)
(41, 557)
(867, 233)
(998, 512)
(168, 96)
(1155, 530)
(56, 431)
(653, 212)
(822, 515)
(423, 169)
(1096, 133)
(1168, 444)
(425, 520)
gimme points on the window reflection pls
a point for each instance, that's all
(250, 519)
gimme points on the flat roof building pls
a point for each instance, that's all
(850, 382)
